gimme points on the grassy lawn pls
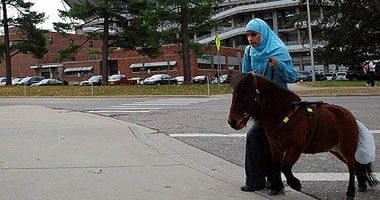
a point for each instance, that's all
(308, 88)
(333, 84)
(112, 91)
(325, 88)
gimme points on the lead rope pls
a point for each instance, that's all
(266, 69)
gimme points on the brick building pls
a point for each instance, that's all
(87, 61)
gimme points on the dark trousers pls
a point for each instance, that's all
(258, 158)
(371, 80)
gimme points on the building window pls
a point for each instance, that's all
(92, 57)
(90, 43)
(50, 40)
(204, 66)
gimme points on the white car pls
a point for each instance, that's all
(2, 81)
(330, 76)
(223, 79)
(341, 76)
(93, 80)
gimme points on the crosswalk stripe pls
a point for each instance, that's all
(121, 111)
(146, 106)
(156, 104)
(226, 135)
(325, 176)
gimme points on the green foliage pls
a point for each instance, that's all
(132, 18)
(351, 28)
(31, 39)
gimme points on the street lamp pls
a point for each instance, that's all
(310, 39)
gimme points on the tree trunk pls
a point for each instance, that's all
(105, 51)
(8, 68)
(185, 44)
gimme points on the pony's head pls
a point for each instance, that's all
(245, 97)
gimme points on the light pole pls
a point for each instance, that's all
(310, 39)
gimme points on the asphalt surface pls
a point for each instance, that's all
(58, 154)
(61, 154)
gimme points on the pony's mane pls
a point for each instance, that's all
(268, 83)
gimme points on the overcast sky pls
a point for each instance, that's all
(50, 8)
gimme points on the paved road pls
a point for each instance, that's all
(201, 122)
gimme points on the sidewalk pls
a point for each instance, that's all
(58, 154)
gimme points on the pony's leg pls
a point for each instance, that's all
(361, 176)
(277, 185)
(291, 157)
(277, 159)
(349, 159)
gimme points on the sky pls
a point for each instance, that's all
(50, 8)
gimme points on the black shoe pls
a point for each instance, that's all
(247, 188)
(276, 192)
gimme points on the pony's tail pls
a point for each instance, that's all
(364, 174)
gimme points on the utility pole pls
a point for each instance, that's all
(8, 68)
(310, 39)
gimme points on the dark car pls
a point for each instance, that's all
(160, 79)
(30, 80)
(308, 75)
(48, 81)
(300, 77)
(356, 73)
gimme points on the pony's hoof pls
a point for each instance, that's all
(276, 192)
(295, 184)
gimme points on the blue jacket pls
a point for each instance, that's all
(284, 71)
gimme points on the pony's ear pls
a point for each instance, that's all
(249, 79)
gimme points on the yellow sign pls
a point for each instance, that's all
(217, 42)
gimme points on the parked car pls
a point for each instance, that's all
(308, 75)
(160, 79)
(135, 81)
(118, 79)
(223, 79)
(300, 77)
(16, 80)
(93, 80)
(30, 80)
(341, 76)
(48, 81)
(330, 76)
(202, 79)
(180, 80)
(3, 81)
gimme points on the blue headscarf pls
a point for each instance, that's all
(270, 45)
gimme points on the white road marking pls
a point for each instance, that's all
(325, 176)
(121, 111)
(126, 108)
(156, 104)
(227, 135)
(146, 106)
(206, 135)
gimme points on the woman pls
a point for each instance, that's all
(265, 48)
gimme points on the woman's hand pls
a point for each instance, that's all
(273, 62)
